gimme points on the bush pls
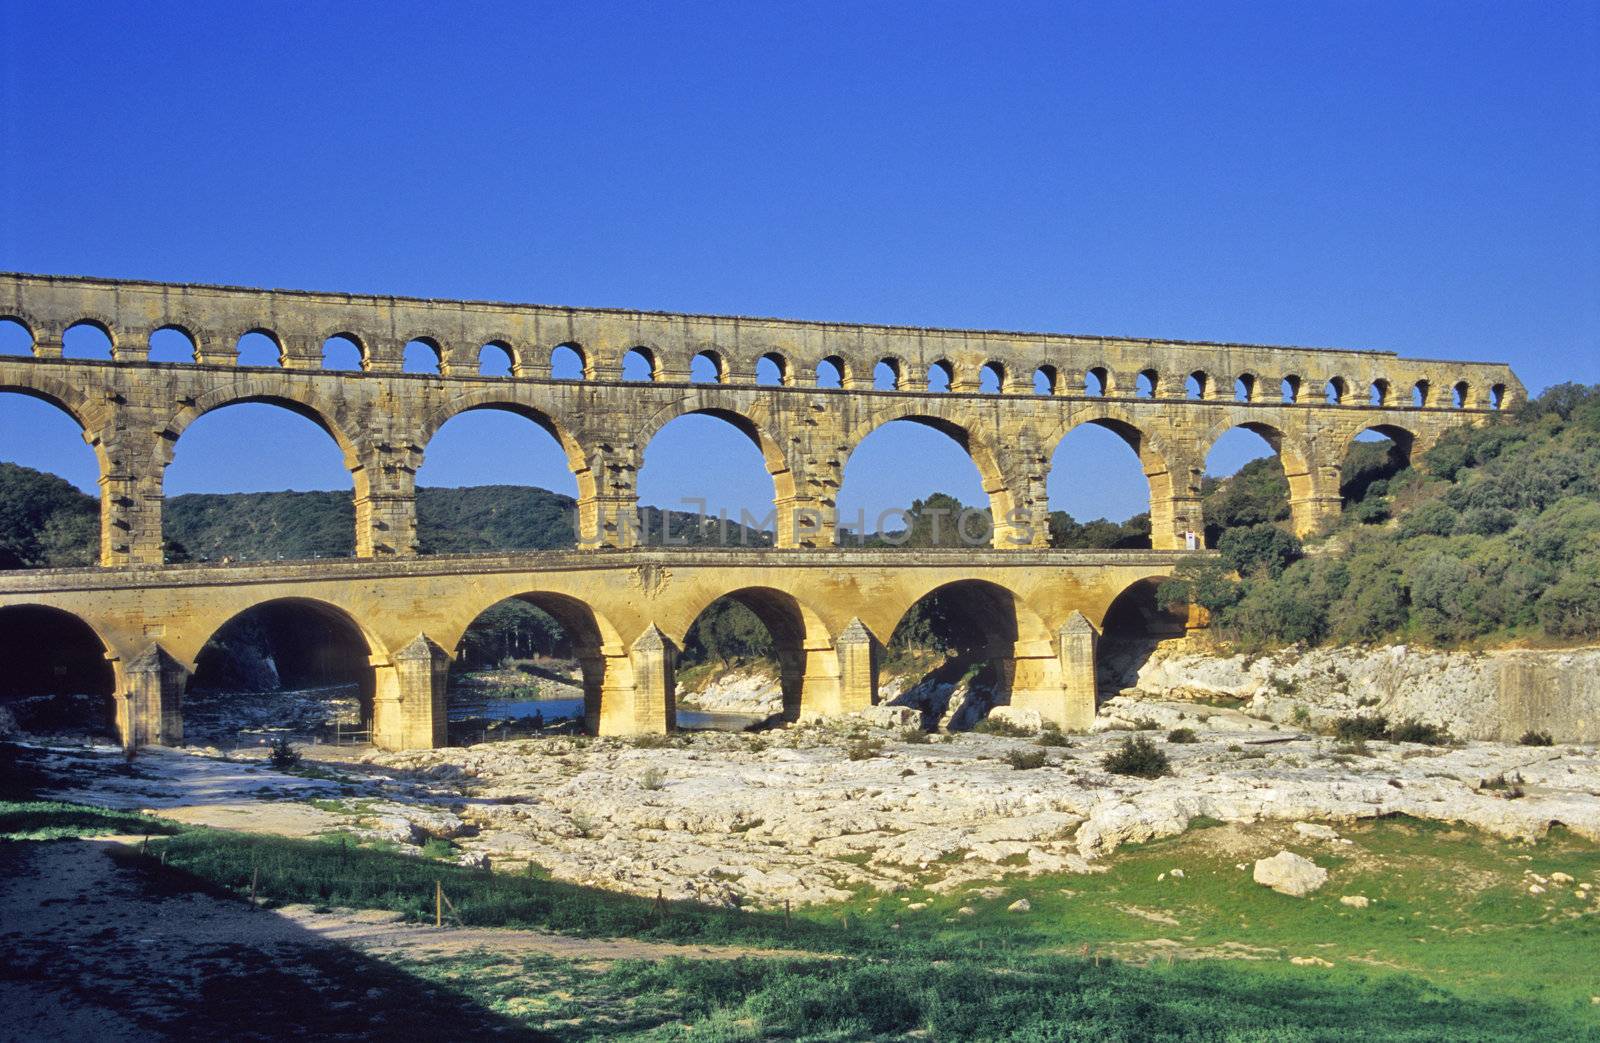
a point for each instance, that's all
(863, 749)
(1533, 738)
(652, 779)
(652, 742)
(1001, 726)
(1360, 728)
(1261, 548)
(1053, 736)
(914, 736)
(282, 755)
(1419, 732)
(1138, 757)
(1024, 760)
(1182, 736)
(1373, 511)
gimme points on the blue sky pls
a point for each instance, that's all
(1417, 177)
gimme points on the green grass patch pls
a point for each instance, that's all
(55, 820)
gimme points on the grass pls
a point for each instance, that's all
(1452, 947)
(55, 820)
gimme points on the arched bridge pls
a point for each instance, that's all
(803, 392)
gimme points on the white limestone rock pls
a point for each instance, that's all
(1290, 874)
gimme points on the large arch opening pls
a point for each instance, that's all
(291, 667)
(49, 486)
(258, 481)
(749, 656)
(938, 503)
(1133, 628)
(959, 651)
(733, 504)
(1245, 481)
(1374, 459)
(57, 680)
(526, 665)
(1098, 493)
(495, 478)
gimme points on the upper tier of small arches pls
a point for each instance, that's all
(47, 316)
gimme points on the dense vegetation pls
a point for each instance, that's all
(1495, 538)
(45, 522)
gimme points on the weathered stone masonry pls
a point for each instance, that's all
(1308, 403)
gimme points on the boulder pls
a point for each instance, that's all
(1290, 874)
(1355, 901)
(891, 716)
(1316, 831)
(1032, 720)
(1021, 905)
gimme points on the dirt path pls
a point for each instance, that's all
(105, 948)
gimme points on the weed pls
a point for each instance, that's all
(1352, 729)
(863, 749)
(1419, 732)
(653, 742)
(1509, 788)
(1139, 757)
(1182, 736)
(1052, 735)
(1001, 726)
(1533, 738)
(438, 847)
(652, 779)
(914, 736)
(1300, 715)
(281, 754)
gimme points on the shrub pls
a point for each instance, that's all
(1142, 724)
(1139, 757)
(1419, 732)
(1533, 738)
(1360, 727)
(1371, 512)
(1001, 726)
(914, 736)
(1182, 736)
(1052, 735)
(1023, 760)
(438, 847)
(652, 742)
(1511, 788)
(1261, 548)
(652, 779)
(281, 754)
(863, 749)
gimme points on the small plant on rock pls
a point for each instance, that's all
(1510, 789)
(1143, 724)
(914, 736)
(1419, 732)
(863, 749)
(1533, 738)
(1025, 760)
(1052, 735)
(1138, 757)
(282, 755)
(1001, 726)
(652, 742)
(1360, 727)
(1182, 736)
(652, 779)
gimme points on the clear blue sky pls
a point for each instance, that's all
(1417, 177)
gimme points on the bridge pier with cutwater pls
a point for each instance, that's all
(628, 607)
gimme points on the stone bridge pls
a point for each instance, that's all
(803, 392)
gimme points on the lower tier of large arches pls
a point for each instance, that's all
(392, 632)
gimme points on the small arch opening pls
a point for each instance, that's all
(566, 363)
(1460, 395)
(1378, 393)
(772, 370)
(1244, 388)
(1044, 380)
(830, 372)
(260, 348)
(706, 368)
(494, 360)
(171, 344)
(1291, 389)
(1194, 385)
(639, 365)
(86, 340)
(1096, 381)
(1333, 391)
(341, 351)
(15, 337)
(992, 378)
(1497, 397)
(940, 376)
(422, 356)
(886, 375)
(1419, 394)
(1145, 386)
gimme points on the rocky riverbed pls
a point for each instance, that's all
(812, 813)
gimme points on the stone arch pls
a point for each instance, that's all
(1168, 478)
(832, 371)
(1401, 455)
(99, 322)
(1334, 391)
(363, 354)
(895, 368)
(808, 662)
(772, 454)
(585, 366)
(1097, 381)
(602, 656)
(29, 325)
(504, 398)
(49, 651)
(1046, 380)
(996, 631)
(270, 390)
(1244, 387)
(963, 431)
(1147, 383)
(430, 344)
(779, 362)
(1313, 492)
(486, 350)
(719, 366)
(995, 370)
(270, 334)
(1378, 392)
(651, 359)
(1131, 626)
(1197, 385)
